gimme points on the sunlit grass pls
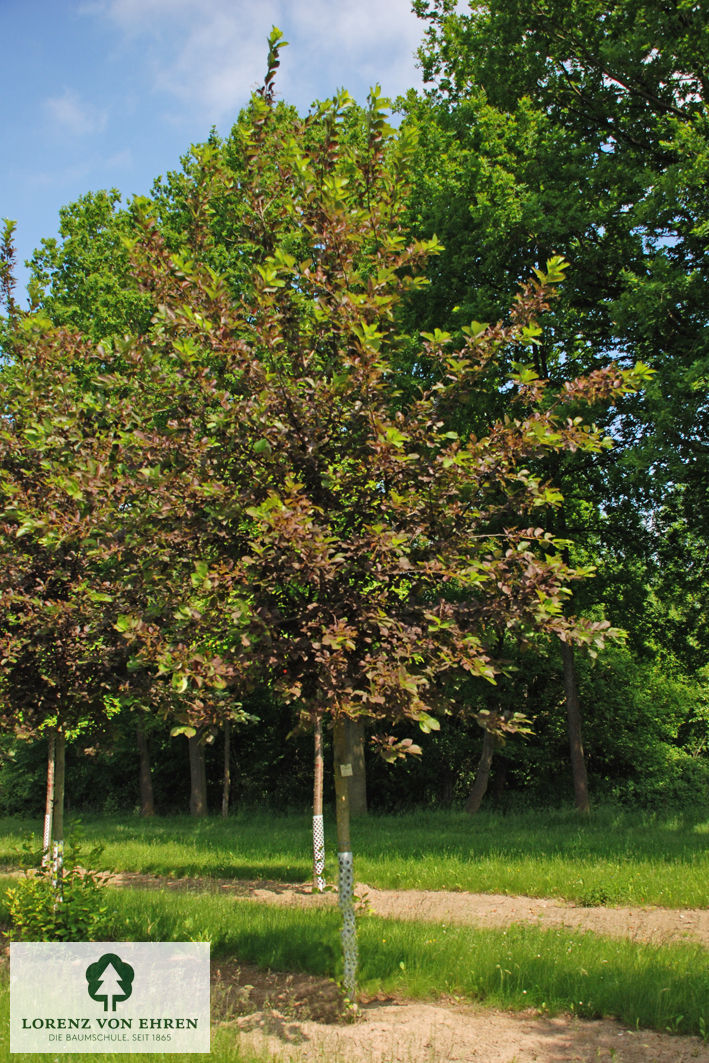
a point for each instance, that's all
(552, 970)
(617, 857)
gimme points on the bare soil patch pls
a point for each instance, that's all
(240, 990)
(650, 924)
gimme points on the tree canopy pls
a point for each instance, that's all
(292, 486)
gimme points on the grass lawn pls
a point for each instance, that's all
(553, 970)
(617, 857)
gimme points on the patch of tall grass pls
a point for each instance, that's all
(616, 856)
(552, 970)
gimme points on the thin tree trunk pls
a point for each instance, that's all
(49, 801)
(482, 775)
(198, 778)
(345, 879)
(318, 827)
(58, 813)
(573, 716)
(203, 775)
(358, 781)
(147, 803)
(226, 779)
(573, 707)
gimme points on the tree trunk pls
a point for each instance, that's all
(358, 780)
(58, 813)
(226, 780)
(147, 803)
(318, 828)
(573, 716)
(345, 878)
(482, 775)
(198, 776)
(203, 775)
(500, 778)
(49, 801)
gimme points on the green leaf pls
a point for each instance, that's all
(189, 732)
(427, 723)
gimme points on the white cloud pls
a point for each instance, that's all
(120, 160)
(210, 54)
(369, 41)
(219, 61)
(75, 116)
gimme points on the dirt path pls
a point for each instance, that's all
(434, 1033)
(468, 909)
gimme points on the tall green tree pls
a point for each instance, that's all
(551, 127)
(83, 280)
(613, 176)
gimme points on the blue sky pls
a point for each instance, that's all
(109, 93)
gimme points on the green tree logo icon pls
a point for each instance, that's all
(110, 980)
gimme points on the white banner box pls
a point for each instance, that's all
(110, 996)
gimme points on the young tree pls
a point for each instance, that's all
(318, 826)
(59, 653)
(87, 431)
(285, 501)
(376, 553)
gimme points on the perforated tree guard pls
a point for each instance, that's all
(349, 933)
(58, 871)
(47, 841)
(318, 853)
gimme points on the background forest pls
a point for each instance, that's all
(570, 129)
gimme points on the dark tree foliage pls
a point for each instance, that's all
(602, 112)
(581, 128)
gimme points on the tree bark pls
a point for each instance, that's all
(482, 775)
(226, 779)
(500, 778)
(198, 776)
(573, 717)
(58, 813)
(49, 801)
(358, 779)
(147, 803)
(345, 879)
(318, 828)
